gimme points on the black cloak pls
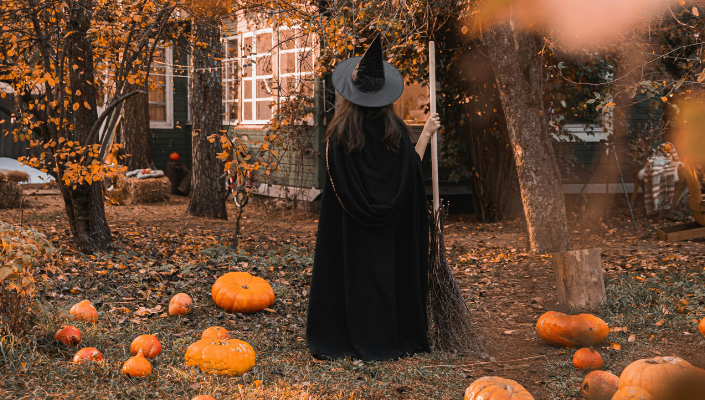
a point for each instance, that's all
(370, 269)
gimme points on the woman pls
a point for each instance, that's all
(368, 289)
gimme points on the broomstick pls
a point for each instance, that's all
(450, 320)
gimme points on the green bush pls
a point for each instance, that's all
(23, 253)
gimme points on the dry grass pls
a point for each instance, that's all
(10, 194)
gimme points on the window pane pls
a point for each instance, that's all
(246, 46)
(288, 63)
(264, 43)
(263, 110)
(264, 65)
(264, 88)
(286, 39)
(247, 111)
(247, 67)
(307, 62)
(306, 88)
(231, 50)
(247, 85)
(232, 90)
(287, 85)
(232, 111)
(232, 70)
(157, 113)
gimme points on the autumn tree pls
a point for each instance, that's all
(61, 58)
(208, 190)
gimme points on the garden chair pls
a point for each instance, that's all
(690, 230)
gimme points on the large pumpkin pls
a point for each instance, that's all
(87, 354)
(180, 304)
(496, 388)
(241, 292)
(137, 366)
(587, 358)
(148, 344)
(215, 332)
(68, 335)
(632, 393)
(563, 330)
(701, 327)
(600, 385)
(223, 357)
(660, 376)
(84, 310)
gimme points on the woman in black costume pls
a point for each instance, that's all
(368, 289)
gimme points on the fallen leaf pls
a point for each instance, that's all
(614, 346)
(660, 322)
(509, 332)
(631, 338)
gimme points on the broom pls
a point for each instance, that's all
(450, 321)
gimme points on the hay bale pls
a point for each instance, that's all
(10, 194)
(138, 191)
(18, 176)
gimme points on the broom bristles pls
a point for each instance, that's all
(450, 321)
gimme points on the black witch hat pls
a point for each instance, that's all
(368, 80)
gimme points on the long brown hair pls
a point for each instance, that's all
(347, 125)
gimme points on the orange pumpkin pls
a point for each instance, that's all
(174, 157)
(203, 397)
(587, 358)
(180, 304)
(87, 354)
(137, 366)
(701, 327)
(632, 393)
(68, 335)
(496, 388)
(148, 344)
(84, 310)
(223, 357)
(563, 330)
(660, 376)
(600, 385)
(241, 292)
(216, 332)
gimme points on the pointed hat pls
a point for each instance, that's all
(368, 80)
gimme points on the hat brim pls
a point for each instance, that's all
(392, 90)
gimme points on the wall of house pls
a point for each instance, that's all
(178, 138)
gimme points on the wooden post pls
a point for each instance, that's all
(579, 281)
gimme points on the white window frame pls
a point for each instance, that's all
(252, 80)
(227, 78)
(169, 92)
(298, 50)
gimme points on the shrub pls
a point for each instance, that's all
(22, 254)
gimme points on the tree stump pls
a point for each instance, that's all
(579, 281)
(176, 172)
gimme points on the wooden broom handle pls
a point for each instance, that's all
(434, 136)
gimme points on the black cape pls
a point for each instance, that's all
(370, 269)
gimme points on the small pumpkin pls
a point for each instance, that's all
(148, 344)
(632, 393)
(68, 335)
(223, 357)
(84, 310)
(600, 385)
(137, 366)
(203, 397)
(241, 292)
(174, 157)
(701, 327)
(180, 304)
(216, 332)
(496, 388)
(660, 376)
(587, 358)
(87, 354)
(563, 330)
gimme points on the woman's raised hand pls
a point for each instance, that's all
(432, 125)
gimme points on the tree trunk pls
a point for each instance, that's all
(136, 133)
(84, 202)
(580, 284)
(208, 191)
(517, 68)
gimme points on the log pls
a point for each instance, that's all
(185, 185)
(579, 279)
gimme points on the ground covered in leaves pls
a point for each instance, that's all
(656, 296)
